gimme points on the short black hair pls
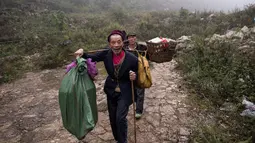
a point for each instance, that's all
(131, 34)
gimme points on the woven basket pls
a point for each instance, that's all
(161, 52)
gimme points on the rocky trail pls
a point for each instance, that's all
(29, 110)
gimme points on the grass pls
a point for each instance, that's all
(217, 73)
(218, 126)
(220, 75)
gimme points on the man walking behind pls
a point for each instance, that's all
(134, 47)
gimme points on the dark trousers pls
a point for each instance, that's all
(139, 100)
(118, 111)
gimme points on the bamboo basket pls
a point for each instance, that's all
(161, 52)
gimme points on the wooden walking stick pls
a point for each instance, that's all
(133, 98)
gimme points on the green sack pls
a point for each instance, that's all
(77, 100)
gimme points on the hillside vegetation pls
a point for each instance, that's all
(40, 34)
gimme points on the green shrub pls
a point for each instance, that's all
(220, 71)
(87, 26)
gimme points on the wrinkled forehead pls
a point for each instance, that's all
(115, 37)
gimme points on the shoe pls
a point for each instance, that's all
(138, 115)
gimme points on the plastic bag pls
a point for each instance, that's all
(91, 68)
(250, 108)
(77, 100)
(70, 66)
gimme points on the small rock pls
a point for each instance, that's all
(245, 30)
(183, 139)
(66, 42)
(207, 39)
(252, 43)
(152, 109)
(227, 106)
(212, 15)
(107, 136)
(5, 126)
(29, 116)
(184, 132)
(180, 46)
(182, 110)
(173, 140)
(99, 130)
(172, 102)
(90, 137)
(98, 88)
(253, 30)
(102, 105)
(244, 48)
(169, 89)
(238, 35)
(153, 120)
(162, 130)
(142, 126)
(217, 37)
(241, 80)
(151, 95)
(167, 110)
(146, 138)
(161, 95)
(230, 34)
(183, 39)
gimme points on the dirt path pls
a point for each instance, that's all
(29, 110)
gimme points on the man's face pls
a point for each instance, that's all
(116, 43)
(132, 40)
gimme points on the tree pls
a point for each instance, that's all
(184, 12)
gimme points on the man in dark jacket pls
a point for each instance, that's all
(134, 48)
(121, 67)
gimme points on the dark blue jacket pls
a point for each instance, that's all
(130, 63)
